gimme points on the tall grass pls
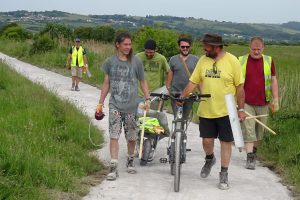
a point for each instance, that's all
(55, 60)
(44, 144)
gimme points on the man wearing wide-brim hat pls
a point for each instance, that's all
(219, 73)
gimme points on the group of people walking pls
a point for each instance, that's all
(251, 78)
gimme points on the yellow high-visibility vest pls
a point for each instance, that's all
(267, 72)
(77, 54)
(151, 125)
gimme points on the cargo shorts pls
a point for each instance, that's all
(76, 71)
(117, 120)
(253, 131)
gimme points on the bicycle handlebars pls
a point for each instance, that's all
(175, 97)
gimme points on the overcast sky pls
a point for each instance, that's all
(250, 11)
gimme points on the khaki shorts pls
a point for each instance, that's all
(76, 71)
(127, 120)
(253, 131)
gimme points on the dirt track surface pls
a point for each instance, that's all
(154, 181)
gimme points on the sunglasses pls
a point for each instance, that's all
(184, 47)
(215, 69)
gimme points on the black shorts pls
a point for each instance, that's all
(216, 128)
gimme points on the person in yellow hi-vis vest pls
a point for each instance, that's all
(261, 92)
(76, 60)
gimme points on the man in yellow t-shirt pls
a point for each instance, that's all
(219, 73)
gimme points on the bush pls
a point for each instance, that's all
(83, 32)
(166, 40)
(42, 44)
(14, 32)
(104, 34)
(56, 31)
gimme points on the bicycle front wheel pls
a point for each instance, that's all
(178, 152)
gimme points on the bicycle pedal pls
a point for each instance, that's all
(163, 160)
(188, 149)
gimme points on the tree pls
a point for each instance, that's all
(83, 32)
(166, 40)
(56, 31)
(104, 33)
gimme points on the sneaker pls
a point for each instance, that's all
(251, 161)
(205, 171)
(113, 172)
(73, 87)
(130, 165)
(223, 184)
(77, 88)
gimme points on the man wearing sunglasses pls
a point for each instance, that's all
(182, 66)
(219, 73)
(76, 60)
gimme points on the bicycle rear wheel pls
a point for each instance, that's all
(178, 152)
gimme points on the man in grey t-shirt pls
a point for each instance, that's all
(122, 72)
(181, 67)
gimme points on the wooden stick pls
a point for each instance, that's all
(159, 105)
(265, 126)
(257, 116)
(142, 135)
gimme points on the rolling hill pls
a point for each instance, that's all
(286, 32)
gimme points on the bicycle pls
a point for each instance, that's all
(177, 149)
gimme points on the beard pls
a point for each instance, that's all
(212, 55)
(184, 53)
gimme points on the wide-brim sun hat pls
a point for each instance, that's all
(212, 39)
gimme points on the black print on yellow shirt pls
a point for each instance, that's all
(210, 73)
(152, 66)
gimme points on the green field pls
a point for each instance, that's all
(281, 152)
(44, 144)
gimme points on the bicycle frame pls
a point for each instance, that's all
(177, 148)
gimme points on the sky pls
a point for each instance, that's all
(250, 11)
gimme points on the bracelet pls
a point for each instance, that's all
(241, 110)
(100, 104)
(147, 99)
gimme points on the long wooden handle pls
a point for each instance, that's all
(160, 102)
(265, 126)
(257, 116)
(142, 135)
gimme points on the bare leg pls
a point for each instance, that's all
(77, 80)
(208, 145)
(131, 147)
(249, 147)
(225, 153)
(114, 148)
(73, 80)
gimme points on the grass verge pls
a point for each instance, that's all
(44, 145)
